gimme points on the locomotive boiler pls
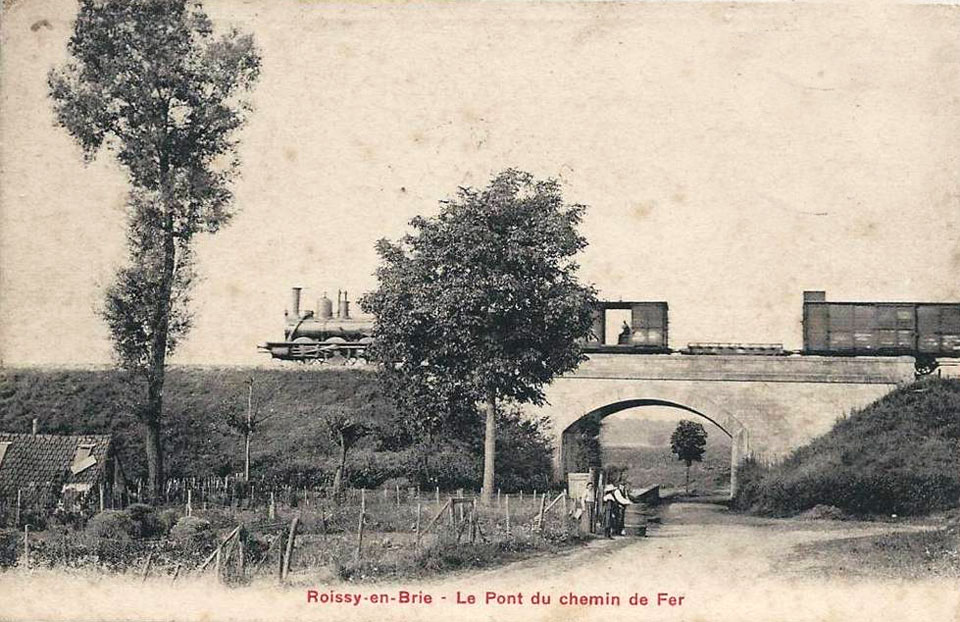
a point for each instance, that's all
(326, 334)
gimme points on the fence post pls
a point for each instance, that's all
(543, 501)
(398, 494)
(498, 497)
(189, 508)
(272, 508)
(363, 509)
(289, 552)
(280, 557)
(146, 567)
(507, 504)
(240, 561)
(417, 528)
(473, 521)
(17, 524)
(26, 546)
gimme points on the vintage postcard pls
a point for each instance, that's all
(479, 310)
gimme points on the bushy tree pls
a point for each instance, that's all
(149, 80)
(481, 304)
(688, 442)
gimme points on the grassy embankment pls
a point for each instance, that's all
(196, 438)
(898, 457)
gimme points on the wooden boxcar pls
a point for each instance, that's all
(880, 328)
(647, 330)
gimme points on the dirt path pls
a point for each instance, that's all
(725, 567)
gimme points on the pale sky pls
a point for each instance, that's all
(731, 155)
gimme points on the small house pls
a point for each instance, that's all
(64, 471)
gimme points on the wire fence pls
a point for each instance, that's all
(268, 532)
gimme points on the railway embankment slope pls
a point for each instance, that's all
(898, 456)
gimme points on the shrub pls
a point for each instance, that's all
(11, 543)
(146, 524)
(111, 524)
(193, 536)
(167, 518)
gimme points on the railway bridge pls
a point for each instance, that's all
(767, 405)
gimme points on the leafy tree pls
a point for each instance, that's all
(346, 426)
(481, 304)
(245, 421)
(688, 442)
(149, 80)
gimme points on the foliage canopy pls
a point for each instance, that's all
(481, 300)
(689, 441)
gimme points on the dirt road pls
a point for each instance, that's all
(702, 564)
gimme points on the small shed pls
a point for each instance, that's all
(62, 468)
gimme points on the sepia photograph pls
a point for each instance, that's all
(480, 310)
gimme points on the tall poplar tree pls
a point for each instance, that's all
(150, 81)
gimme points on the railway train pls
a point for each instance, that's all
(923, 330)
(322, 335)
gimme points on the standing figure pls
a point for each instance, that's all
(587, 513)
(610, 509)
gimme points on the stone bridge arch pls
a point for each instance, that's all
(769, 405)
(728, 424)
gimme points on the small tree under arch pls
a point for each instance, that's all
(688, 442)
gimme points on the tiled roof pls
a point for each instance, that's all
(46, 459)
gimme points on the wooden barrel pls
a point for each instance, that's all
(634, 520)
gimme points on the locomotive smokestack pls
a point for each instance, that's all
(295, 302)
(344, 307)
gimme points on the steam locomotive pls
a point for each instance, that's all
(322, 335)
(923, 330)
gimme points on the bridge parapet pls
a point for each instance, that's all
(746, 368)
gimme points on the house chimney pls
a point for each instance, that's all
(34, 426)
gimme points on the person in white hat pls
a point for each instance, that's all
(609, 511)
(615, 501)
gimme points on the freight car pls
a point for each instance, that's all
(322, 335)
(924, 330)
(645, 333)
